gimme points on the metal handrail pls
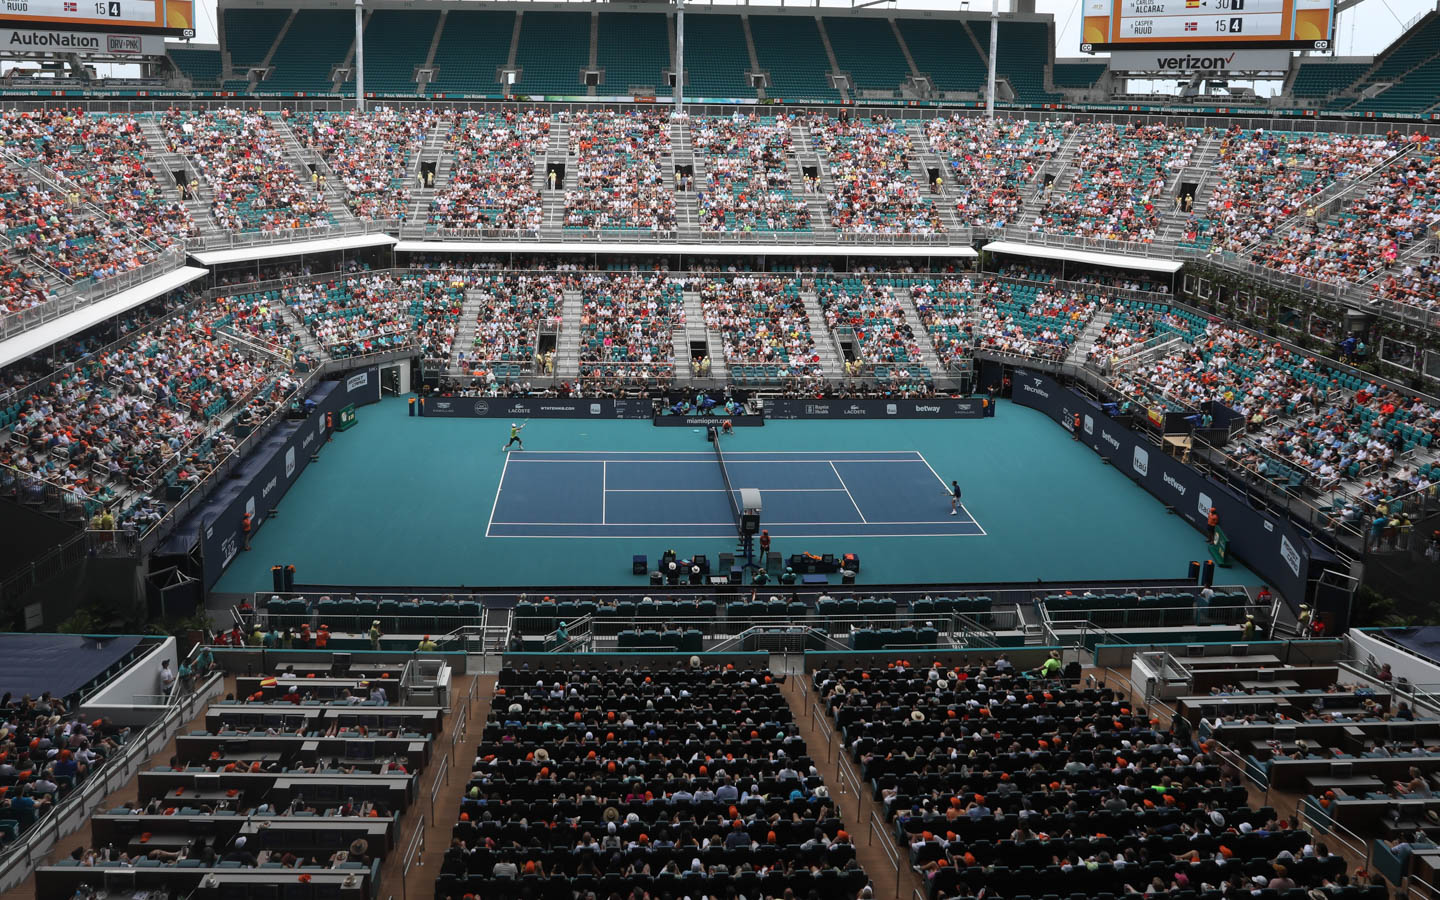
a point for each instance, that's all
(848, 776)
(1353, 842)
(825, 730)
(887, 844)
(412, 849)
(441, 772)
(46, 832)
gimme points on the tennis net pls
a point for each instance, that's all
(725, 475)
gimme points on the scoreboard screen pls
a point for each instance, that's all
(1175, 24)
(172, 17)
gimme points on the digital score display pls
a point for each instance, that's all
(171, 17)
(1159, 24)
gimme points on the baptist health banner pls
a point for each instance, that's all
(264, 476)
(1273, 547)
(774, 408)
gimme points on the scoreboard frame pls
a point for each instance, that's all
(171, 18)
(1207, 25)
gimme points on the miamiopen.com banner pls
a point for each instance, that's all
(1270, 545)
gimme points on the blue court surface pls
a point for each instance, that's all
(681, 494)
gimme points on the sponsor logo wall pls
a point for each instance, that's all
(259, 482)
(774, 408)
(1270, 545)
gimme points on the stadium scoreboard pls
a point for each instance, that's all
(169, 17)
(1189, 24)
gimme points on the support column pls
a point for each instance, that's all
(679, 57)
(360, 55)
(994, 40)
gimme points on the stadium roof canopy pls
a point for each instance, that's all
(252, 252)
(1089, 257)
(651, 249)
(36, 339)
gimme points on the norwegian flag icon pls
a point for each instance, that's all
(1192, 26)
(72, 7)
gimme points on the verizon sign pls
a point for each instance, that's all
(1210, 60)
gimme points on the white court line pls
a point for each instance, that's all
(848, 494)
(604, 491)
(946, 486)
(722, 490)
(498, 488)
(716, 537)
(913, 453)
(730, 459)
(707, 524)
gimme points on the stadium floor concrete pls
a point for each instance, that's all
(404, 501)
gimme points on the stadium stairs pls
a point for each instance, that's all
(827, 346)
(1081, 348)
(432, 151)
(465, 336)
(855, 810)
(441, 817)
(928, 358)
(307, 160)
(567, 349)
(803, 156)
(168, 162)
(696, 330)
(1198, 172)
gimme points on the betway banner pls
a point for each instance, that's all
(1180, 61)
(1277, 550)
(877, 408)
(47, 41)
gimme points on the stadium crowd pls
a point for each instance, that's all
(241, 156)
(620, 179)
(491, 181)
(627, 325)
(763, 326)
(102, 161)
(1394, 211)
(993, 162)
(746, 184)
(371, 152)
(874, 189)
(1262, 178)
(1116, 188)
(724, 796)
(875, 314)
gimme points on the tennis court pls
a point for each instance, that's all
(401, 500)
(670, 494)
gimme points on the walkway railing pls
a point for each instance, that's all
(73, 812)
(887, 844)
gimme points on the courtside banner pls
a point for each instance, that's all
(774, 408)
(536, 408)
(263, 477)
(1272, 546)
(705, 421)
(876, 408)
